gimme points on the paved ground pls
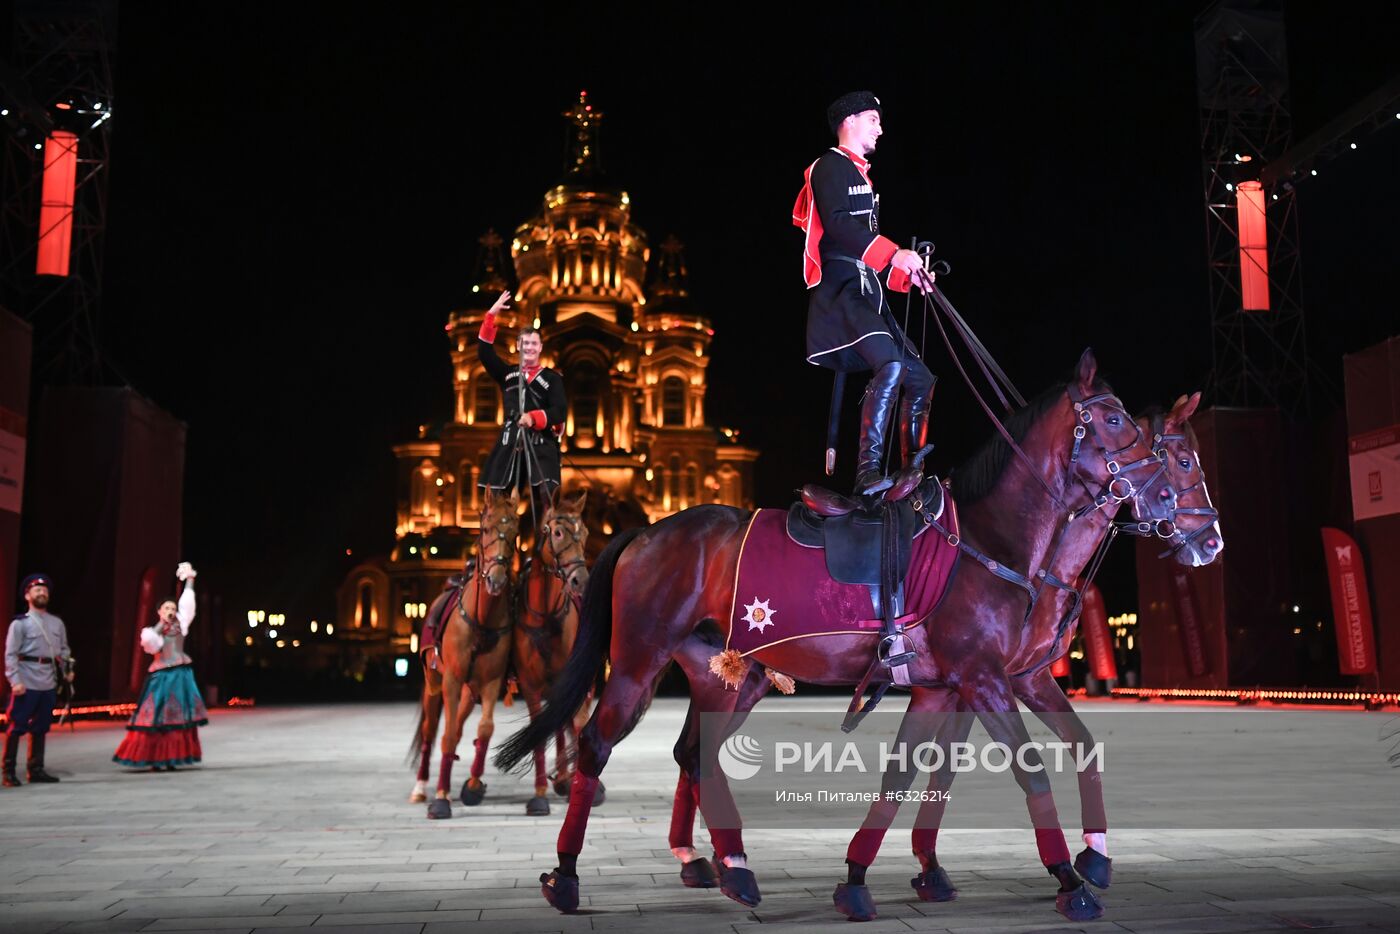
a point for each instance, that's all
(300, 820)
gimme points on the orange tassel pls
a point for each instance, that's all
(729, 666)
(781, 681)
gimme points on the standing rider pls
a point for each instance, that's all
(850, 327)
(527, 452)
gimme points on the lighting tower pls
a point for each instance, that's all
(1259, 345)
(57, 79)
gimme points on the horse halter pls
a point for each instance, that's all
(1119, 487)
(1166, 528)
(572, 526)
(504, 543)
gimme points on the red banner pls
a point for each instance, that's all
(1351, 603)
(1098, 644)
(145, 616)
(1188, 617)
(1059, 668)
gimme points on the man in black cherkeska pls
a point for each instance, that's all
(526, 454)
(850, 327)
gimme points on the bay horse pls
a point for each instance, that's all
(1178, 510)
(666, 593)
(546, 627)
(472, 654)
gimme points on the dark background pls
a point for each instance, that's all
(297, 190)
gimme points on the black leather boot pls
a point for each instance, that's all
(11, 780)
(36, 760)
(875, 412)
(913, 446)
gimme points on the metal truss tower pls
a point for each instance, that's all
(58, 76)
(1259, 357)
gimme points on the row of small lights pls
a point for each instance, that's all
(5, 112)
(274, 620)
(1248, 695)
(1240, 157)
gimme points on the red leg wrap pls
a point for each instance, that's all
(576, 821)
(727, 841)
(479, 756)
(683, 812)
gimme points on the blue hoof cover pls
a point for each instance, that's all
(934, 886)
(537, 806)
(471, 797)
(439, 809)
(699, 874)
(1096, 868)
(854, 901)
(739, 884)
(1078, 904)
(560, 891)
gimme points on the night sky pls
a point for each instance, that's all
(297, 191)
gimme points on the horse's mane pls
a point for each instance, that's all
(976, 476)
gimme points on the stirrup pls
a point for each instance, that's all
(882, 651)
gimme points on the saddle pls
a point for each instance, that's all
(851, 532)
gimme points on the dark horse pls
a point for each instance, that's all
(667, 593)
(1175, 490)
(471, 656)
(546, 627)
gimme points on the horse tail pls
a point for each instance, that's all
(415, 749)
(585, 662)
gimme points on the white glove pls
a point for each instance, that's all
(185, 572)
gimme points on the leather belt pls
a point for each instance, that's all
(37, 658)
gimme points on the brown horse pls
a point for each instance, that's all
(1174, 491)
(472, 654)
(667, 593)
(546, 626)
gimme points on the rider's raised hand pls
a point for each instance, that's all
(501, 304)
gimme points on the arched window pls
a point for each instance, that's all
(484, 400)
(585, 385)
(690, 492)
(673, 401)
(364, 606)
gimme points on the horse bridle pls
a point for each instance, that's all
(1167, 529)
(572, 525)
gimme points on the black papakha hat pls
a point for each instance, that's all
(33, 579)
(855, 102)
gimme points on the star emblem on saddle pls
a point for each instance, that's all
(759, 615)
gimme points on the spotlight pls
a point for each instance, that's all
(1353, 145)
(1314, 171)
(1229, 187)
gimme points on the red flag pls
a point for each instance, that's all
(1351, 603)
(1098, 645)
(1188, 616)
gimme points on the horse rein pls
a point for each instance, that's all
(1167, 529)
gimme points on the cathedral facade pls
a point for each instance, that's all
(621, 327)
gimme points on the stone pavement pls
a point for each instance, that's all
(299, 821)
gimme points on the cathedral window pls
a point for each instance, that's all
(484, 400)
(673, 402)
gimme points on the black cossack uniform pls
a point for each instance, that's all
(508, 467)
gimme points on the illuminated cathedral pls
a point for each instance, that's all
(633, 351)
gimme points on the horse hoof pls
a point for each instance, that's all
(1096, 868)
(699, 874)
(933, 885)
(561, 786)
(1078, 904)
(739, 884)
(417, 797)
(538, 806)
(439, 809)
(560, 891)
(471, 797)
(600, 795)
(854, 901)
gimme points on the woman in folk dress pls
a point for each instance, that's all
(164, 731)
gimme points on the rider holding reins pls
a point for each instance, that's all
(850, 327)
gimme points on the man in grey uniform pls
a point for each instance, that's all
(36, 655)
